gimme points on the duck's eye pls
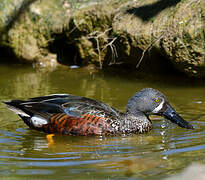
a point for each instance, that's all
(156, 100)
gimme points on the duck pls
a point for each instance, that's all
(67, 114)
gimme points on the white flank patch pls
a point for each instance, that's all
(158, 108)
(17, 111)
(38, 121)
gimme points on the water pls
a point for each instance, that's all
(163, 152)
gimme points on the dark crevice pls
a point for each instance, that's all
(153, 61)
(67, 53)
(7, 55)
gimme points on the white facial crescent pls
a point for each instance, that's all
(159, 107)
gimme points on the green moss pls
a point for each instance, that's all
(32, 31)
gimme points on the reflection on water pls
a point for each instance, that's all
(163, 152)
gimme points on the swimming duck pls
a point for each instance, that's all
(75, 115)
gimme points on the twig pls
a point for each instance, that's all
(97, 35)
(148, 48)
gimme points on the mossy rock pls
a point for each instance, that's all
(174, 30)
(184, 42)
(138, 33)
(90, 29)
(31, 32)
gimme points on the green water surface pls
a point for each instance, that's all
(165, 151)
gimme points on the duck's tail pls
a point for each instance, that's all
(17, 107)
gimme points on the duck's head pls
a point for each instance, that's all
(153, 102)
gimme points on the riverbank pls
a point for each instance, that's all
(147, 36)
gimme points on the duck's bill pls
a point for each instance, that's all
(172, 115)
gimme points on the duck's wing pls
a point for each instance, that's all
(41, 111)
(71, 105)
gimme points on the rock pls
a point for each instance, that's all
(90, 28)
(150, 35)
(184, 40)
(30, 27)
(175, 31)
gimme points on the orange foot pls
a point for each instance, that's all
(50, 140)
